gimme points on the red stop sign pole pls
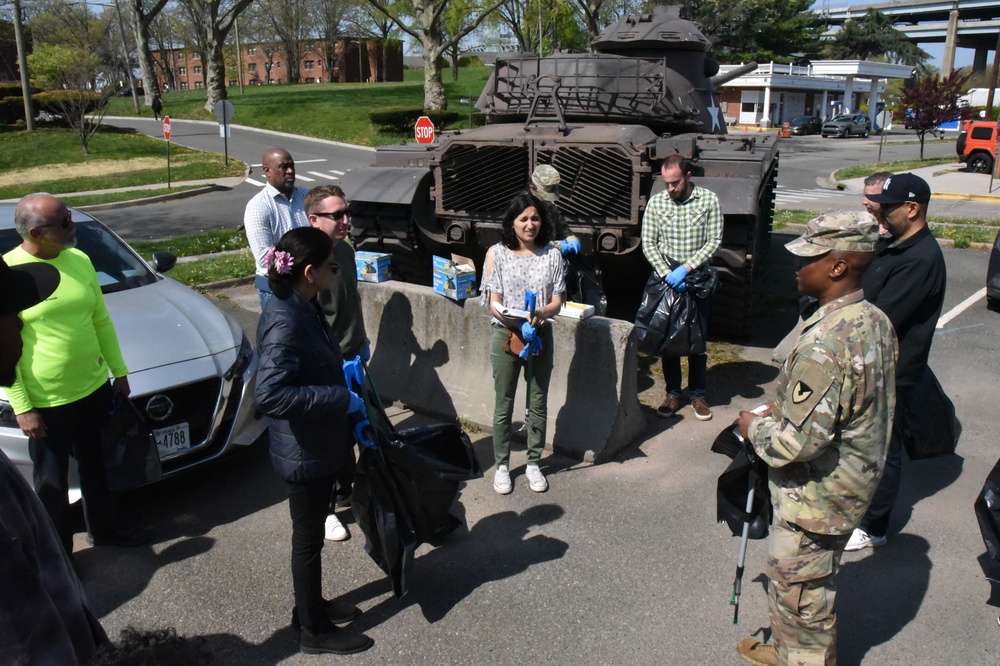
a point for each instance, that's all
(166, 135)
(424, 130)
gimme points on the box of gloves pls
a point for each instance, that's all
(372, 266)
(576, 310)
(456, 281)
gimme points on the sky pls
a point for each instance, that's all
(963, 57)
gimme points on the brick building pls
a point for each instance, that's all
(352, 60)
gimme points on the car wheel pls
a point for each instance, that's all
(846, 133)
(864, 135)
(981, 163)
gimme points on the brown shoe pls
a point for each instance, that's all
(701, 410)
(757, 653)
(669, 406)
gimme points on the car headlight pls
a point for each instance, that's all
(7, 418)
(243, 358)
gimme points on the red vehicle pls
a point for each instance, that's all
(977, 145)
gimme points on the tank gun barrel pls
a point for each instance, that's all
(726, 77)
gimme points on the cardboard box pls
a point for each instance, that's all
(576, 310)
(372, 266)
(456, 281)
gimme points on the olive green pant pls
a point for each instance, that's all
(506, 371)
(801, 567)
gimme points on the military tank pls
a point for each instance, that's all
(604, 120)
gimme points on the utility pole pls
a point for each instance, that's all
(22, 63)
(128, 64)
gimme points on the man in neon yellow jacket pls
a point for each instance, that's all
(61, 394)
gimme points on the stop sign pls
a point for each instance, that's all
(424, 130)
(166, 128)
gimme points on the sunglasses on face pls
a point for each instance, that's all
(64, 224)
(336, 215)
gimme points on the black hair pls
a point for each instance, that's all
(518, 205)
(309, 247)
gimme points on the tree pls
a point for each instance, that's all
(141, 20)
(213, 19)
(872, 37)
(69, 72)
(934, 101)
(425, 24)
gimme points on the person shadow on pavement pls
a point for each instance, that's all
(497, 547)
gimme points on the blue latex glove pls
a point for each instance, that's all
(354, 373)
(569, 246)
(360, 436)
(676, 277)
(366, 353)
(357, 405)
(527, 332)
(534, 347)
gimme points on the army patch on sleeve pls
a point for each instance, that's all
(809, 382)
(801, 392)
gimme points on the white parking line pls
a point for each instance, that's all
(255, 182)
(297, 162)
(321, 175)
(960, 308)
(339, 173)
(308, 180)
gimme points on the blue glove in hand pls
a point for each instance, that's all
(676, 277)
(569, 246)
(360, 436)
(354, 373)
(357, 405)
(527, 332)
(366, 353)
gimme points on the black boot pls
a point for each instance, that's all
(333, 640)
(339, 612)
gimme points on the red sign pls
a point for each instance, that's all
(166, 128)
(424, 130)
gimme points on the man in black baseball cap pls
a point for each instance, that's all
(907, 282)
(21, 287)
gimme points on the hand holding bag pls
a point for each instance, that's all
(130, 456)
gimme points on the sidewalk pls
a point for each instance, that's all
(947, 181)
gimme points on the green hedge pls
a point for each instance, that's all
(469, 61)
(51, 101)
(401, 119)
(9, 89)
(11, 109)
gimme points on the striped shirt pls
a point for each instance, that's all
(684, 232)
(268, 216)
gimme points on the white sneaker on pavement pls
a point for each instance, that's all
(335, 530)
(860, 540)
(501, 481)
(536, 480)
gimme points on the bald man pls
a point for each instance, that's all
(278, 208)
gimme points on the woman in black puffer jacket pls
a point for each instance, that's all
(302, 391)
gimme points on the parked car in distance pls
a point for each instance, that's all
(845, 125)
(976, 145)
(806, 125)
(192, 370)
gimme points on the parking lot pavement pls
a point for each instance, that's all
(621, 563)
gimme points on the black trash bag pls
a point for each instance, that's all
(987, 508)
(933, 428)
(670, 323)
(734, 486)
(404, 489)
(130, 456)
(583, 284)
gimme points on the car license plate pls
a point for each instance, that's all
(172, 440)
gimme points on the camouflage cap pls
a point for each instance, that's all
(545, 178)
(850, 231)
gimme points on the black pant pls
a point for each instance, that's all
(75, 429)
(344, 487)
(308, 504)
(876, 520)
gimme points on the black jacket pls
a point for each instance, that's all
(301, 388)
(906, 282)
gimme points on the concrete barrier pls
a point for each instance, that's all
(432, 354)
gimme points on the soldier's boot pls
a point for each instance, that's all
(757, 653)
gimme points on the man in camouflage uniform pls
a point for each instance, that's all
(824, 438)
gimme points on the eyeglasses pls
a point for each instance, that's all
(64, 224)
(336, 215)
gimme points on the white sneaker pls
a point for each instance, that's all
(536, 480)
(501, 481)
(335, 530)
(860, 540)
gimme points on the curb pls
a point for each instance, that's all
(225, 284)
(154, 199)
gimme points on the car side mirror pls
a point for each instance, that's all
(164, 261)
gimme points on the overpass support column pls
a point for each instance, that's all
(950, 42)
(765, 119)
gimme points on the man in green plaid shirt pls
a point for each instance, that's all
(681, 230)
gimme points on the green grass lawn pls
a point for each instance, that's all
(188, 246)
(862, 170)
(334, 111)
(962, 231)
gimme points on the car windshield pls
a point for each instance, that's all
(842, 119)
(118, 268)
(802, 119)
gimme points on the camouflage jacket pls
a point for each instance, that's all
(826, 439)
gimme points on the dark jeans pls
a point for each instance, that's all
(308, 504)
(697, 375)
(876, 520)
(75, 430)
(343, 487)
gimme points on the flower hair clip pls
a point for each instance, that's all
(280, 260)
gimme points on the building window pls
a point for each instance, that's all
(181, 55)
(184, 85)
(197, 69)
(198, 85)
(195, 56)
(251, 67)
(310, 79)
(182, 71)
(252, 50)
(310, 64)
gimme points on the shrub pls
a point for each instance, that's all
(11, 109)
(398, 119)
(54, 101)
(441, 119)
(469, 61)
